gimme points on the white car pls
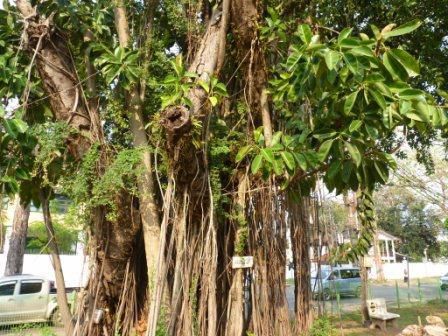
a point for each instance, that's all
(444, 282)
(28, 299)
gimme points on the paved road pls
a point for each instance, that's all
(428, 291)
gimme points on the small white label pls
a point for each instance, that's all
(242, 262)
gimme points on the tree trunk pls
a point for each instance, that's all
(351, 204)
(49, 50)
(235, 304)
(17, 242)
(148, 206)
(377, 258)
(61, 294)
(364, 294)
(300, 244)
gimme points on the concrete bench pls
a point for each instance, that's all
(379, 315)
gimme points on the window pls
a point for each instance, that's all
(30, 287)
(52, 287)
(334, 275)
(7, 288)
(346, 274)
(355, 273)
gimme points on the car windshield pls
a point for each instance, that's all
(323, 274)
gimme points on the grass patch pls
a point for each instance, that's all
(352, 326)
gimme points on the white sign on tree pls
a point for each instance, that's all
(242, 262)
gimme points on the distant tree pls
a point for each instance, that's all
(406, 216)
(66, 237)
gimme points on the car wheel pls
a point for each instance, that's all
(326, 295)
(56, 318)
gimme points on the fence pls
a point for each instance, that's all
(396, 293)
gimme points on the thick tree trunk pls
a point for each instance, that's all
(235, 304)
(300, 243)
(194, 213)
(112, 242)
(61, 294)
(49, 50)
(148, 206)
(17, 242)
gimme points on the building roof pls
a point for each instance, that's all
(386, 235)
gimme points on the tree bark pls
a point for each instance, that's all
(148, 206)
(17, 242)
(61, 294)
(48, 48)
(300, 241)
(235, 312)
(351, 204)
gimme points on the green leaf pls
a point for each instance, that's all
(334, 169)
(344, 34)
(324, 149)
(20, 125)
(190, 74)
(332, 59)
(374, 77)
(204, 85)
(256, 164)
(278, 166)
(412, 94)
(362, 51)
(301, 161)
(378, 97)
(14, 126)
(349, 43)
(170, 79)
(382, 171)
(288, 159)
(354, 125)
(293, 58)
(305, 33)
(243, 152)
(354, 153)
(276, 138)
(268, 155)
(403, 29)
(22, 174)
(407, 61)
(352, 63)
(258, 133)
(213, 100)
(397, 71)
(422, 111)
(350, 102)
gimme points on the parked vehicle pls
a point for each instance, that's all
(27, 299)
(444, 282)
(345, 281)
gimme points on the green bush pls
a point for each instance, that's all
(37, 238)
(321, 327)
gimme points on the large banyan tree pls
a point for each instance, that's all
(190, 132)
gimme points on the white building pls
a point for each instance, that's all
(74, 265)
